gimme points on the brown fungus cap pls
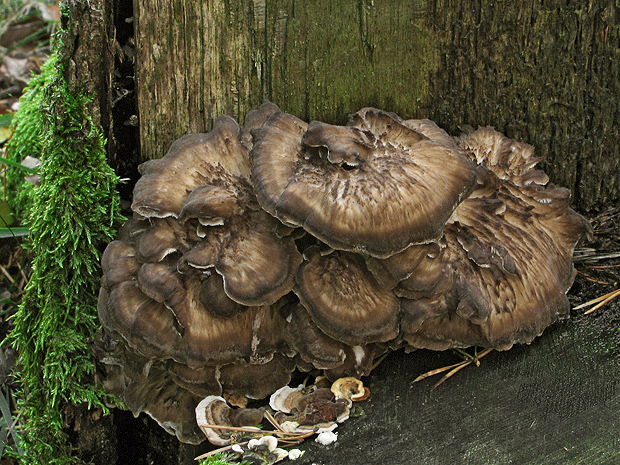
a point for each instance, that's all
(505, 264)
(148, 327)
(344, 300)
(312, 345)
(374, 186)
(216, 158)
(168, 404)
(209, 339)
(390, 271)
(432, 131)
(256, 264)
(164, 237)
(213, 205)
(256, 380)
(119, 263)
(201, 381)
(214, 411)
(202, 189)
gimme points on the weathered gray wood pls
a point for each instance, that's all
(194, 63)
(543, 72)
(320, 59)
(556, 401)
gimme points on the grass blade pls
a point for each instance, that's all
(14, 164)
(14, 232)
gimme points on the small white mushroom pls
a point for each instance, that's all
(214, 411)
(253, 444)
(271, 442)
(266, 444)
(294, 454)
(289, 426)
(286, 398)
(278, 454)
(327, 438)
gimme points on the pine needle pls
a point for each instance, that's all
(454, 368)
(599, 301)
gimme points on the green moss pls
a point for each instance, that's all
(28, 129)
(74, 213)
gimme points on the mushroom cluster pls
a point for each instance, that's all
(278, 246)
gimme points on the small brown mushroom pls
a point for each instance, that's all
(348, 388)
(214, 411)
(286, 399)
(309, 409)
(257, 266)
(161, 282)
(374, 186)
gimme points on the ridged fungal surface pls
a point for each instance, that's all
(283, 245)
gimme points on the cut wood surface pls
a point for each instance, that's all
(556, 401)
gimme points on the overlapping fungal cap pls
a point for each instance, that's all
(191, 282)
(374, 186)
(344, 299)
(282, 245)
(214, 159)
(500, 274)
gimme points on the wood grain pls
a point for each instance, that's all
(544, 72)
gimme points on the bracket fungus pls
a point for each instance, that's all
(374, 186)
(283, 245)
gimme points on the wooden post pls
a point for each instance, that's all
(542, 72)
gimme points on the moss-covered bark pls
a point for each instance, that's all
(26, 141)
(75, 212)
